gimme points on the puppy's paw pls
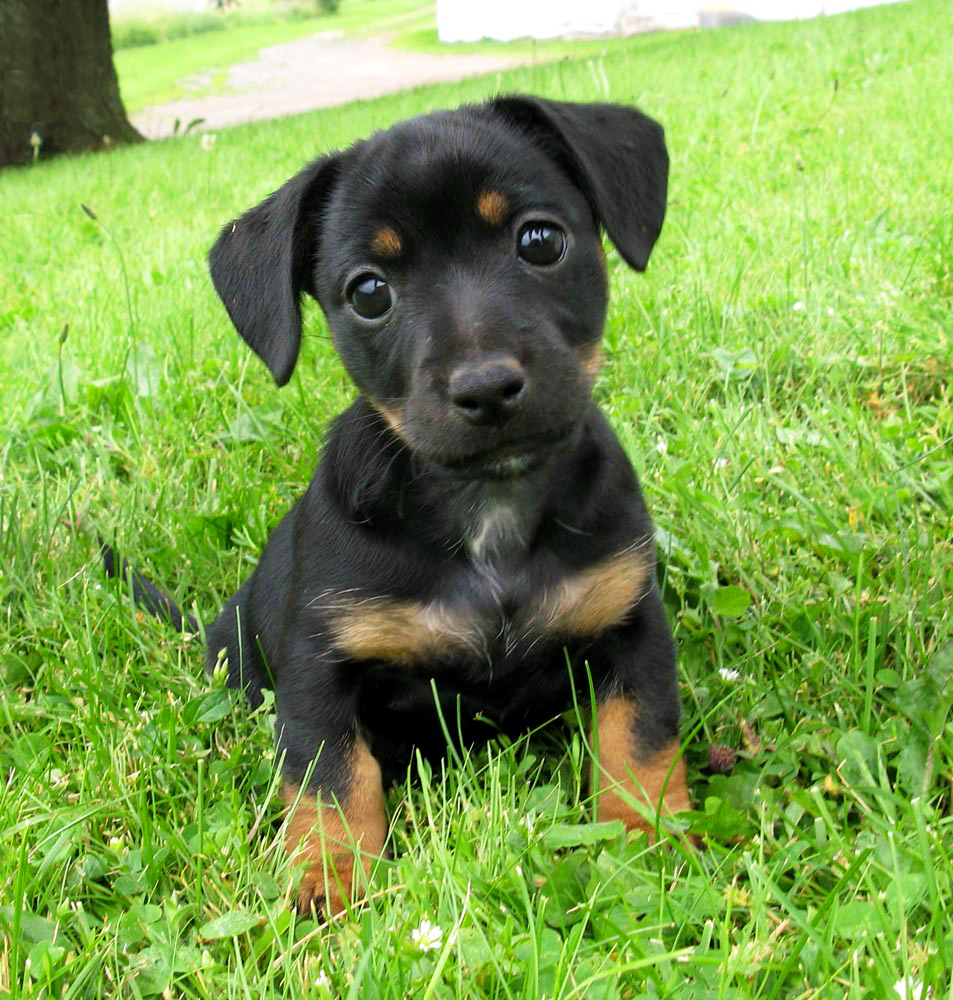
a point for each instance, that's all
(337, 845)
(322, 887)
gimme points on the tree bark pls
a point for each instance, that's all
(58, 87)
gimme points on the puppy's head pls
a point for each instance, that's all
(457, 258)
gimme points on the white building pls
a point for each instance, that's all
(504, 20)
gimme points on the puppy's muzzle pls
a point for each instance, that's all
(488, 393)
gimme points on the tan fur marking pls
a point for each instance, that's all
(393, 416)
(603, 263)
(598, 597)
(625, 778)
(386, 242)
(590, 359)
(491, 206)
(410, 632)
(403, 632)
(324, 836)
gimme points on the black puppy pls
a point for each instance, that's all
(474, 529)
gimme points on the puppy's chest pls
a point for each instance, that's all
(487, 610)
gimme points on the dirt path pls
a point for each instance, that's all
(314, 72)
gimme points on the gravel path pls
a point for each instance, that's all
(314, 72)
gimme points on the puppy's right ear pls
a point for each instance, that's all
(263, 261)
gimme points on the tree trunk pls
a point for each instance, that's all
(58, 86)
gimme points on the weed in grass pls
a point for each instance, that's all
(804, 492)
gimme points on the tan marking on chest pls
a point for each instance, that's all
(491, 206)
(386, 242)
(410, 632)
(402, 632)
(596, 598)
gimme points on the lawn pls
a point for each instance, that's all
(197, 63)
(780, 377)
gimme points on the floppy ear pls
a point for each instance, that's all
(615, 154)
(262, 262)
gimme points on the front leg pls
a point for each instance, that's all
(639, 772)
(334, 797)
(328, 831)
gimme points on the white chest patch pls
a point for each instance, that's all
(496, 529)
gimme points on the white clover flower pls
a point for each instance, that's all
(907, 989)
(721, 463)
(798, 306)
(661, 446)
(727, 674)
(428, 936)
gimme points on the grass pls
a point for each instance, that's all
(189, 65)
(780, 377)
(194, 52)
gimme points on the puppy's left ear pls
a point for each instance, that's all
(264, 260)
(615, 154)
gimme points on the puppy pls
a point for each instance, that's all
(474, 544)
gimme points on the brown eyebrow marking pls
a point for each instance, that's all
(491, 206)
(386, 242)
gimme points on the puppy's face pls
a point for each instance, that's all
(463, 279)
(458, 260)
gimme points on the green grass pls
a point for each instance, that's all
(194, 64)
(195, 51)
(781, 378)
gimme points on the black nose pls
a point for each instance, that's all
(489, 392)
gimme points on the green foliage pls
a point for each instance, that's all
(780, 378)
(129, 33)
(172, 56)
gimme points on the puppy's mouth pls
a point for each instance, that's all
(506, 461)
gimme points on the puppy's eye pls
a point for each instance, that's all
(541, 244)
(370, 296)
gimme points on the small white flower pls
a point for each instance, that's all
(661, 446)
(322, 979)
(208, 140)
(428, 936)
(907, 989)
(798, 306)
(727, 674)
(721, 463)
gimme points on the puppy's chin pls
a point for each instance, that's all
(513, 460)
(502, 466)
